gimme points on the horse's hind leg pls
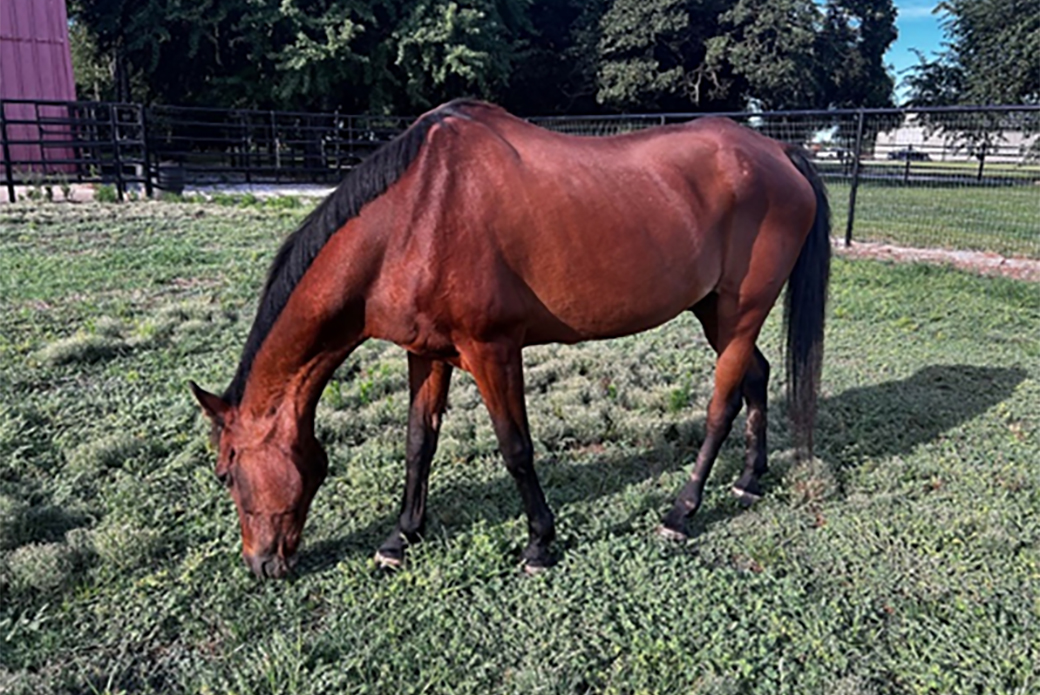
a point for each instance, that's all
(755, 390)
(732, 333)
(428, 387)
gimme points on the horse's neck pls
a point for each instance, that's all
(301, 352)
(289, 379)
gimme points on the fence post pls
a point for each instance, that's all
(277, 150)
(143, 121)
(113, 121)
(244, 145)
(8, 171)
(337, 136)
(855, 179)
(350, 138)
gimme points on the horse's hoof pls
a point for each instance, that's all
(388, 562)
(670, 534)
(533, 570)
(746, 498)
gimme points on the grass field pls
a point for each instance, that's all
(1004, 220)
(905, 559)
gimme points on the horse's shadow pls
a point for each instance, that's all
(895, 417)
(887, 419)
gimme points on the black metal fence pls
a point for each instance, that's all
(954, 177)
(134, 146)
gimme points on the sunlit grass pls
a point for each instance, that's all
(904, 559)
(1003, 220)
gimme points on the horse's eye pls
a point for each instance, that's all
(223, 473)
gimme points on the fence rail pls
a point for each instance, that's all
(958, 177)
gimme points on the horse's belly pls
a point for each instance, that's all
(615, 304)
(629, 262)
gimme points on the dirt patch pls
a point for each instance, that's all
(980, 262)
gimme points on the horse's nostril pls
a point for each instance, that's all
(268, 566)
(260, 565)
(275, 568)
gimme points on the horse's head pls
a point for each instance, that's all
(272, 470)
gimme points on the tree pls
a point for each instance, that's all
(991, 56)
(935, 83)
(555, 71)
(770, 47)
(851, 49)
(534, 56)
(729, 54)
(652, 54)
(357, 55)
(450, 47)
(93, 71)
(795, 54)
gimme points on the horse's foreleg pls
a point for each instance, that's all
(498, 371)
(428, 382)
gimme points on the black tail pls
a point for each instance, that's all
(804, 312)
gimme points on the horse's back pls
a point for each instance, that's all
(565, 238)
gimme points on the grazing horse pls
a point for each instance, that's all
(474, 234)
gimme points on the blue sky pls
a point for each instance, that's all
(918, 28)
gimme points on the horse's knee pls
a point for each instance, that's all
(518, 455)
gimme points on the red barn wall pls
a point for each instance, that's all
(35, 63)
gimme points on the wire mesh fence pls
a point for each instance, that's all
(958, 178)
(213, 146)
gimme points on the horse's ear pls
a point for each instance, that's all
(216, 408)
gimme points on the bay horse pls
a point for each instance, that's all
(474, 234)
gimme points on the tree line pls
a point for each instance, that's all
(533, 56)
(544, 56)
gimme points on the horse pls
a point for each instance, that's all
(474, 234)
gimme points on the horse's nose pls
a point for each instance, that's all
(268, 566)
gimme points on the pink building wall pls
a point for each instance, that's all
(35, 63)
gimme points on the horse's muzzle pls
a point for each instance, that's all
(266, 566)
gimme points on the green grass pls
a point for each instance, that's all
(968, 168)
(905, 559)
(1003, 220)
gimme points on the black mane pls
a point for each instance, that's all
(362, 184)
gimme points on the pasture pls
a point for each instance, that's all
(1001, 220)
(904, 559)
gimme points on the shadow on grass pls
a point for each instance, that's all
(455, 505)
(886, 419)
(22, 524)
(895, 417)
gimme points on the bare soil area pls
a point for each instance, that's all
(980, 262)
